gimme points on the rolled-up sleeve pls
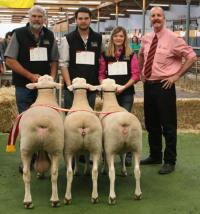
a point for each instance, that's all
(182, 49)
(135, 75)
(64, 53)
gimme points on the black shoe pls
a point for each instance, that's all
(166, 168)
(128, 159)
(150, 160)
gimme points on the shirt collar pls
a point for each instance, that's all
(160, 33)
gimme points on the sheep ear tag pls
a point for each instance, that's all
(31, 85)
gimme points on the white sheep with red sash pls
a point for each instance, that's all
(40, 130)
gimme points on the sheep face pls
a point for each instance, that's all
(44, 81)
(80, 83)
(110, 85)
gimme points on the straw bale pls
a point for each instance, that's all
(8, 108)
(189, 82)
(98, 104)
(188, 112)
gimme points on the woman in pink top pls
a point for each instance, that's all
(119, 63)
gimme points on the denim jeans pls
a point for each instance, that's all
(126, 101)
(69, 96)
(24, 98)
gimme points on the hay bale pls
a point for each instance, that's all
(138, 110)
(190, 82)
(98, 104)
(8, 108)
(188, 111)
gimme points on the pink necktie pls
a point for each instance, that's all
(150, 57)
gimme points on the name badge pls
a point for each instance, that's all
(38, 54)
(85, 57)
(117, 68)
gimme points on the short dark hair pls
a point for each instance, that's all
(8, 34)
(83, 10)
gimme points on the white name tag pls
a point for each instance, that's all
(117, 68)
(38, 54)
(85, 57)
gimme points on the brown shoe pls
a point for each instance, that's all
(166, 168)
(149, 161)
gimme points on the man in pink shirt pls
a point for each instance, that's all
(160, 62)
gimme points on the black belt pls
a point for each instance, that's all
(151, 82)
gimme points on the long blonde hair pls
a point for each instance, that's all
(111, 47)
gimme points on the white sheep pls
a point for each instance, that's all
(122, 132)
(83, 134)
(41, 129)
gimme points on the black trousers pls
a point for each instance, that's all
(161, 120)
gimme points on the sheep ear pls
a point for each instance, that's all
(119, 86)
(58, 85)
(31, 85)
(91, 87)
(98, 87)
(70, 87)
(94, 87)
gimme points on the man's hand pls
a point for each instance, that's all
(120, 90)
(34, 77)
(169, 81)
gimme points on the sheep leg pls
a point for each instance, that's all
(123, 171)
(95, 159)
(138, 193)
(69, 175)
(111, 169)
(26, 160)
(54, 177)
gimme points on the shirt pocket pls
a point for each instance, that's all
(162, 56)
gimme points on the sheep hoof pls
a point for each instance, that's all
(138, 197)
(95, 200)
(55, 203)
(111, 201)
(28, 205)
(67, 201)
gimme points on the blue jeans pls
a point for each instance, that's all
(69, 96)
(126, 101)
(24, 98)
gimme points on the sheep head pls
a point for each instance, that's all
(44, 81)
(110, 85)
(80, 83)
